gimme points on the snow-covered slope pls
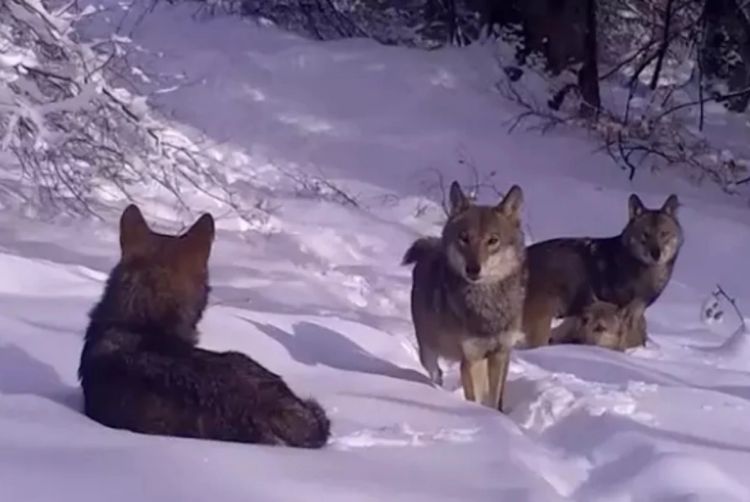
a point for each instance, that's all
(316, 293)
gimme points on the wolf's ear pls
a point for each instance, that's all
(671, 205)
(199, 238)
(134, 231)
(459, 200)
(635, 206)
(511, 203)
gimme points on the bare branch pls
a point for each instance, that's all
(73, 134)
(664, 45)
(716, 99)
(733, 302)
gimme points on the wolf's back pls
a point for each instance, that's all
(200, 394)
(421, 249)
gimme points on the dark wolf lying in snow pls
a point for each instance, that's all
(140, 368)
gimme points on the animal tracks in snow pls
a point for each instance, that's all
(401, 435)
(538, 400)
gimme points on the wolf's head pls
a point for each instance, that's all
(160, 284)
(484, 243)
(600, 324)
(605, 324)
(653, 236)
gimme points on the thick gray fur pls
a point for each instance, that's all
(468, 291)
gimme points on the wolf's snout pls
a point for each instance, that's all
(655, 253)
(473, 271)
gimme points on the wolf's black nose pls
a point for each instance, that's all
(656, 254)
(472, 271)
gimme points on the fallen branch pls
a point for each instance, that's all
(733, 302)
(716, 99)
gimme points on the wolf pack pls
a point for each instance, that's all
(478, 292)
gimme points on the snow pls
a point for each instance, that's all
(316, 292)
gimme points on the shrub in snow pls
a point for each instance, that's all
(417, 23)
(69, 139)
(655, 97)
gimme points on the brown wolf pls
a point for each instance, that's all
(606, 325)
(567, 274)
(140, 368)
(467, 293)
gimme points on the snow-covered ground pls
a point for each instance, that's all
(316, 293)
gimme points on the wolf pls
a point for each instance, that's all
(140, 368)
(606, 325)
(467, 293)
(567, 274)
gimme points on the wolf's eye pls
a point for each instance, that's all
(644, 237)
(493, 241)
(464, 238)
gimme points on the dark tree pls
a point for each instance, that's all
(663, 45)
(725, 53)
(588, 76)
(562, 31)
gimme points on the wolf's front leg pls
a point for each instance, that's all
(474, 379)
(429, 359)
(497, 372)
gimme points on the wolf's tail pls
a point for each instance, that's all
(302, 424)
(419, 249)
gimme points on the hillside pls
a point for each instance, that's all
(338, 144)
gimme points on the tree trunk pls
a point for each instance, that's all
(588, 76)
(725, 52)
(664, 45)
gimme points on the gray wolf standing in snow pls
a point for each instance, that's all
(606, 325)
(141, 370)
(567, 274)
(467, 293)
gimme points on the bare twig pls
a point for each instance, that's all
(701, 101)
(664, 45)
(72, 133)
(319, 187)
(733, 302)
(716, 99)
(548, 120)
(620, 65)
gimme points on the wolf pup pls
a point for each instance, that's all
(606, 325)
(467, 293)
(567, 274)
(140, 368)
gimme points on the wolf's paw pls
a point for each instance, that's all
(436, 377)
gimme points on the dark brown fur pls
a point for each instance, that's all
(140, 368)
(567, 274)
